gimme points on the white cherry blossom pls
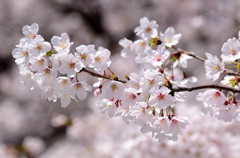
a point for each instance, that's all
(80, 89)
(84, 54)
(147, 29)
(114, 89)
(21, 54)
(157, 57)
(101, 60)
(231, 50)
(108, 107)
(38, 47)
(30, 32)
(160, 97)
(213, 66)
(169, 38)
(69, 64)
(127, 51)
(61, 44)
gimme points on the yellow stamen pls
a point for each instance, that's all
(169, 40)
(63, 45)
(39, 47)
(83, 56)
(41, 61)
(98, 59)
(148, 29)
(78, 85)
(71, 65)
(114, 87)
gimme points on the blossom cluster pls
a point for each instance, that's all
(215, 102)
(51, 69)
(147, 98)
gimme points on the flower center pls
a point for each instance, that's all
(83, 56)
(39, 47)
(63, 45)
(71, 65)
(148, 29)
(114, 87)
(160, 96)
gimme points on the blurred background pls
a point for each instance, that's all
(32, 128)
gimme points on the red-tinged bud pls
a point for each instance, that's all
(172, 77)
(160, 70)
(184, 75)
(153, 112)
(234, 101)
(217, 94)
(229, 100)
(117, 103)
(111, 99)
(98, 91)
(226, 103)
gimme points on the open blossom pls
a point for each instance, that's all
(147, 29)
(217, 105)
(214, 67)
(161, 97)
(227, 114)
(21, 53)
(114, 89)
(140, 46)
(127, 50)
(169, 38)
(28, 80)
(62, 90)
(212, 96)
(231, 50)
(38, 64)
(135, 81)
(38, 47)
(80, 89)
(101, 60)
(129, 97)
(61, 44)
(177, 124)
(108, 107)
(30, 32)
(150, 80)
(84, 53)
(157, 57)
(69, 64)
(162, 124)
(143, 116)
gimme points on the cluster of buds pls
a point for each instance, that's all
(146, 98)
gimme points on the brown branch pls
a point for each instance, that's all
(182, 89)
(101, 76)
(227, 71)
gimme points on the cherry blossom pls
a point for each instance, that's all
(169, 38)
(147, 29)
(214, 67)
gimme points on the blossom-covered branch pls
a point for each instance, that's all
(53, 70)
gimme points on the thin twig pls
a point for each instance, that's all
(227, 71)
(101, 76)
(182, 89)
